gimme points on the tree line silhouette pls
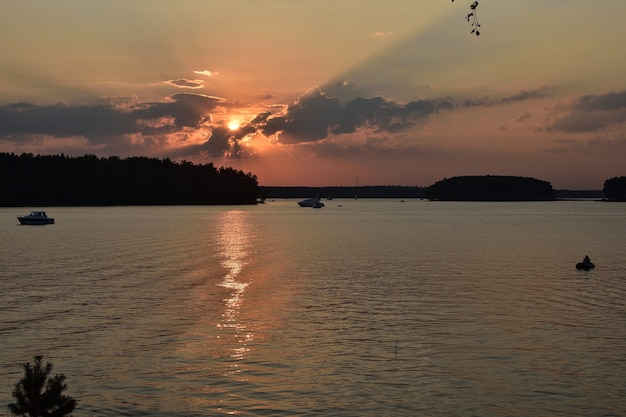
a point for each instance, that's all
(365, 191)
(59, 180)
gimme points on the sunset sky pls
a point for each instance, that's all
(314, 93)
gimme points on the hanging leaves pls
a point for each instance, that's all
(472, 18)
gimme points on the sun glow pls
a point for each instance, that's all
(234, 124)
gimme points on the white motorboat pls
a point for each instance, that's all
(311, 202)
(36, 218)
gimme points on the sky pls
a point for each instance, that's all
(318, 93)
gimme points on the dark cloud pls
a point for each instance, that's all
(118, 127)
(104, 121)
(577, 122)
(588, 113)
(307, 120)
(94, 122)
(521, 95)
(186, 83)
(316, 116)
(606, 102)
(218, 143)
(188, 110)
(525, 94)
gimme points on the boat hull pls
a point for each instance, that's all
(311, 202)
(35, 222)
(584, 266)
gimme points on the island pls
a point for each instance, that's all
(490, 188)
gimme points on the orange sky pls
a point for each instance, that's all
(318, 93)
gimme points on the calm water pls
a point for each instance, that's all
(374, 308)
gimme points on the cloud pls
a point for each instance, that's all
(187, 110)
(186, 83)
(206, 73)
(588, 113)
(306, 120)
(107, 122)
(521, 95)
(524, 94)
(605, 102)
(217, 145)
(316, 116)
(127, 124)
(95, 122)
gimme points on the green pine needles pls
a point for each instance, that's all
(38, 394)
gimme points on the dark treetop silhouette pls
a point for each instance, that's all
(38, 394)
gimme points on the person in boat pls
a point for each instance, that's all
(587, 261)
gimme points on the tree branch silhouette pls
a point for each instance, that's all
(472, 18)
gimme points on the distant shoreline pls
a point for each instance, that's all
(391, 191)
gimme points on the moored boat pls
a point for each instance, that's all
(36, 218)
(311, 202)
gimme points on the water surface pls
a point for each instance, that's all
(362, 308)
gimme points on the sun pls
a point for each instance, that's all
(234, 124)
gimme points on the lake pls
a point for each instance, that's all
(362, 308)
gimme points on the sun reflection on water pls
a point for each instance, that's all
(234, 247)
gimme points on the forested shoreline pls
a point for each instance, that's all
(59, 180)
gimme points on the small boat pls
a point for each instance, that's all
(36, 218)
(586, 266)
(311, 202)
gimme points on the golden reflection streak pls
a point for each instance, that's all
(234, 244)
